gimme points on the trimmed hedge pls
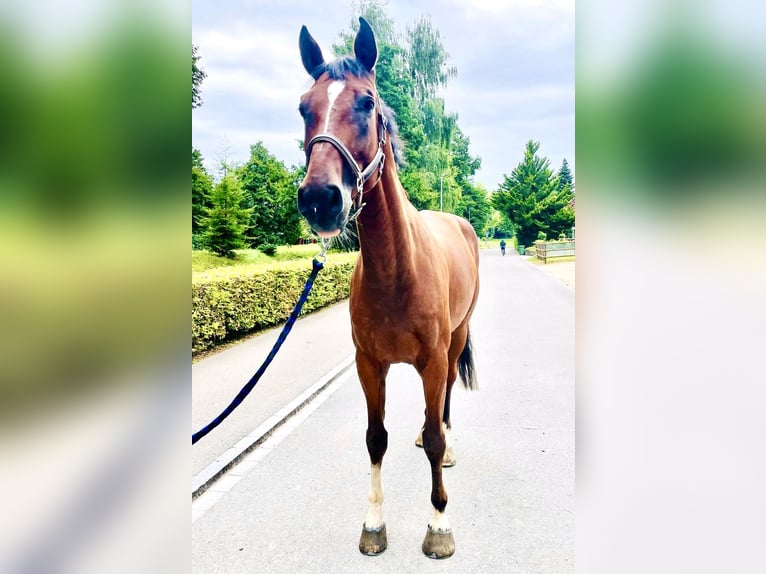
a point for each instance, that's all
(245, 299)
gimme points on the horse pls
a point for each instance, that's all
(416, 281)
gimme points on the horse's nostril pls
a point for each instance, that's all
(321, 204)
(304, 204)
(336, 199)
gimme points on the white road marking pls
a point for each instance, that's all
(220, 487)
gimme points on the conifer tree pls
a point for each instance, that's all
(565, 176)
(226, 220)
(202, 188)
(532, 200)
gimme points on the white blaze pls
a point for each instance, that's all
(333, 91)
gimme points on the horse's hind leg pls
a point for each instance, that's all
(372, 375)
(449, 453)
(456, 347)
(439, 542)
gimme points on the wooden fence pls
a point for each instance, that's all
(552, 249)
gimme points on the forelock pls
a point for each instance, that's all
(340, 68)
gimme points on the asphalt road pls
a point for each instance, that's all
(297, 503)
(316, 343)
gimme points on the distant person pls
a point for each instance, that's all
(502, 246)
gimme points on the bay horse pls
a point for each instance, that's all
(416, 280)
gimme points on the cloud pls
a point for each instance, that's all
(515, 80)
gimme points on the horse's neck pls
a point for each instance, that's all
(386, 226)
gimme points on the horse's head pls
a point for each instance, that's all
(345, 132)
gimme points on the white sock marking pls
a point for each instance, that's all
(439, 522)
(333, 91)
(374, 518)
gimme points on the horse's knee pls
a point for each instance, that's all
(377, 443)
(434, 443)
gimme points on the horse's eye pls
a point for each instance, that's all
(368, 104)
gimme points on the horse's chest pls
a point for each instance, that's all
(392, 333)
(386, 342)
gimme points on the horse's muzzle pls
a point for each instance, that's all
(323, 208)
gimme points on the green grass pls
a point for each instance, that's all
(553, 261)
(207, 266)
(205, 260)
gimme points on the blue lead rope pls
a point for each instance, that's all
(318, 265)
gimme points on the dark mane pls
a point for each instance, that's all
(393, 133)
(338, 69)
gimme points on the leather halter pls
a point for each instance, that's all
(362, 175)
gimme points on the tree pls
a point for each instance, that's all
(198, 74)
(270, 192)
(419, 189)
(427, 61)
(439, 125)
(375, 13)
(393, 83)
(476, 207)
(202, 188)
(565, 176)
(465, 164)
(227, 219)
(532, 200)
(499, 226)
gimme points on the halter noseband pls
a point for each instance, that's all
(362, 175)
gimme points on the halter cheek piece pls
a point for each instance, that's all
(362, 175)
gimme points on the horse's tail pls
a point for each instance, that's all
(465, 367)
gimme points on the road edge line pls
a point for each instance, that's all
(234, 455)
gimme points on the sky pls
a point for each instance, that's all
(514, 58)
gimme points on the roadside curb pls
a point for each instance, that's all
(234, 455)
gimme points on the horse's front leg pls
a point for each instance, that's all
(372, 376)
(439, 542)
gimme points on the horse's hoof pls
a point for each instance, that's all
(449, 458)
(419, 440)
(438, 544)
(373, 542)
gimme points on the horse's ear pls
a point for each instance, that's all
(365, 49)
(311, 53)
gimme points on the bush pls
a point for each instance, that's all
(198, 242)
(234, 304)
(268, 249)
